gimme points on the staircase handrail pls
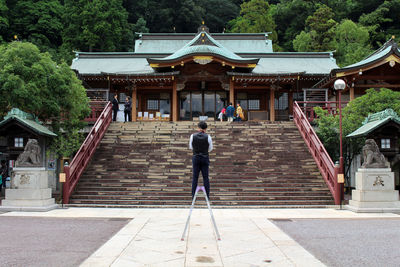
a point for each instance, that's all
(81, 159)
(324, 162)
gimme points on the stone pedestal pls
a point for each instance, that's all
(374, 191)
(29, 191)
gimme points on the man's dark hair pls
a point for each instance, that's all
(202, 125)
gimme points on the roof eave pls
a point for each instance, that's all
(176, 61)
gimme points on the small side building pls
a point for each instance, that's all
(384, 128)
(15, 130)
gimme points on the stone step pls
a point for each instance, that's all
(251, 160)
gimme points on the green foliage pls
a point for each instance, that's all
(320, 34)
(217, 13)
(352, 43)
(353, 116)
(290, 17)
(373, 101)
(140, 25)
(3, 19)
(97, 25)
(254, 17)
(382, 22)
(328, 132)
(34, 83)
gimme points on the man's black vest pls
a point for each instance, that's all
(200, 144)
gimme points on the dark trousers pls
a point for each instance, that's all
(127, 114)
(200, 163)
(115, 114)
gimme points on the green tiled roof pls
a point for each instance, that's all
(375, 121)
(203, 44)
(168, 43)
(27, 120)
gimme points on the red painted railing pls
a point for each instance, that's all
(78, 164)
(97, 108)
(328, 170)
(308, 108)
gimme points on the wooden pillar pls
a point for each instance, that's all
(290, 103)
(174, 107)
(271, 104)
(231, 92)
(134, 101)
(351, 93)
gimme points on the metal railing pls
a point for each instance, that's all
(78, 164)
(324, 162)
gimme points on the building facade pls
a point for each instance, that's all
(184, 76)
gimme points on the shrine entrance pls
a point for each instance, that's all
(193, 104)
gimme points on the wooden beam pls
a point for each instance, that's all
(134, 107)
(272, 104)
(231, 92)
(351, 93)
(378, 77)
(174, 107)
(377, 85)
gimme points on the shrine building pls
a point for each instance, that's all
(182, 76)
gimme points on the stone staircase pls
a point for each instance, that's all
(252, 164)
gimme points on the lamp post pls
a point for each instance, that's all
(340, 85)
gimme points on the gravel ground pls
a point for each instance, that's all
(347, 242)
(38, 241)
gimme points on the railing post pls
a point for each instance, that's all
(337, 195)
(66, 185)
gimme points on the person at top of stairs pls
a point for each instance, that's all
(201, 144)
(115, 107)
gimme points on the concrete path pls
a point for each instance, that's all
(249, 237)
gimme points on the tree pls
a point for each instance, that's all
(353, 115)
(97, 25)
(352, 43)
(290, 17)
(140, 25)
(3, 20)
(321, 29)
(34, 83)
(254, 17)
(218, 13)
(382, 22)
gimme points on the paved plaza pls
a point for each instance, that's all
(152, 237)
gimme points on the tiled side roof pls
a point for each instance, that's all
(374, 121)
(28, 121)
(295, 64)
(111, 64)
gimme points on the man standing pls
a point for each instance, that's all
(128, 109)
(229, 112)
(115, 107)
(201, 144)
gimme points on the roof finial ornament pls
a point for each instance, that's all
(393, 37)
(203, 28)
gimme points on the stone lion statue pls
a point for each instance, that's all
(31, 156)
(372, 157)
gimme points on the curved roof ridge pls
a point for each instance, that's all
(203, 43)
